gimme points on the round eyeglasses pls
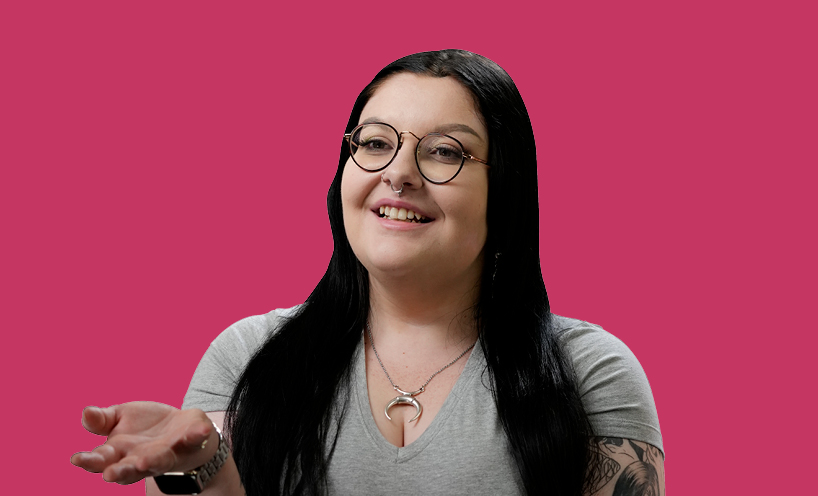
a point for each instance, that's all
(439, 157)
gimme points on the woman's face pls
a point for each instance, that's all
(448, 246)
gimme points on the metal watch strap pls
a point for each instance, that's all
(209, 469)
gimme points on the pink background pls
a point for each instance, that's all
(150, 196)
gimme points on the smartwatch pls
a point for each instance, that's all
(194, 481)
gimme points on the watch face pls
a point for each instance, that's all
(180, 483)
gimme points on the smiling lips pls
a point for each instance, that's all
(403, 214)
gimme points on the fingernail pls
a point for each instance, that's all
(89, 408)
(84, 410)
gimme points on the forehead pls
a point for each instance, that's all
(418, 103)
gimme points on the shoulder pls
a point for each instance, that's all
(613, 385)
(226, 358)
(247, 335)
(589, 344)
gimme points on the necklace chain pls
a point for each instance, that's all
(423, 387)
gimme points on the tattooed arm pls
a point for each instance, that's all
(622, 467)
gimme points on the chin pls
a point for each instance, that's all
(392, 266)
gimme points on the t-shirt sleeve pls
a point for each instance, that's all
(225, 359)
(614, 388)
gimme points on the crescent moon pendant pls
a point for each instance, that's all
(404, 400)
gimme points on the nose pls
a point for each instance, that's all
(403, 174)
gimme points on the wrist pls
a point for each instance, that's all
(214, 451)
(204, 454)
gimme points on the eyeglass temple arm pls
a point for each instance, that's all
(472, 157)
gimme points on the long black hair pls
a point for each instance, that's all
(284, 411)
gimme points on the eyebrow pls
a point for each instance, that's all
(444, 129)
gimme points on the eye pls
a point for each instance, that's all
(374, 140)
(375, 144)
(445, 153)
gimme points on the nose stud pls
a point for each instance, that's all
(397, 192)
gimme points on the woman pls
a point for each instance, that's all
(427, 358)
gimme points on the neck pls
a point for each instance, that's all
(438, 314)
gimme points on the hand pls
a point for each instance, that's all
(146, 439)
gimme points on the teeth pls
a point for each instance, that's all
(403, 214)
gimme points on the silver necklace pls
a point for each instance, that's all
(408, 397)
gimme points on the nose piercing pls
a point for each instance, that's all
(398, 192)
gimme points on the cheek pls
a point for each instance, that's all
(349, 188)
(347, 191)
(345, 186)
(479, 230)
(355, 187)
(476, 205)
(479, 220)
(472, 227)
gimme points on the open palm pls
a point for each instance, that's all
(145, 439)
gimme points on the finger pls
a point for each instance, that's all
(196, 445)
(91, 462)
(99, 420)
(134, 468)
(152, 459)
(122, 473)
(97, 460)
(196, 434)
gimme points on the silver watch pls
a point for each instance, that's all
(194, 481)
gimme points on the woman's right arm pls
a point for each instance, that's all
(226, 481)
(147, 439)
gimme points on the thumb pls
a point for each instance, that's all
(99, 420)
(198, 433)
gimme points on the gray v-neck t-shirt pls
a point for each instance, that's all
(464, 450)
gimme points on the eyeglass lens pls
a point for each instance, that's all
(373, 146)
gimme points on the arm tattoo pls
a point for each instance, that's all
(601, 470)
(635, 467)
